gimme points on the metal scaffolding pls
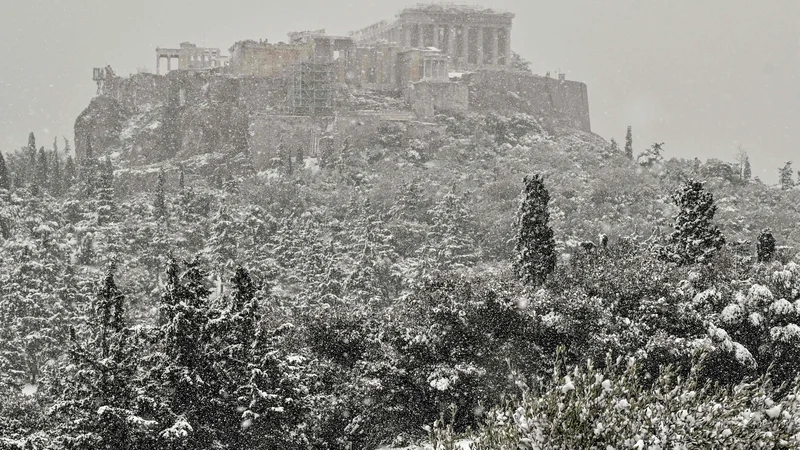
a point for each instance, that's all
(311, 89)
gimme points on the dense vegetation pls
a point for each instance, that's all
(352, 299)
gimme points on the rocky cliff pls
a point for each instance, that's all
(145, 119)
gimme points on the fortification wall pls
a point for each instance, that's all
(260, 94)
(261, 59)
(563, 102)
(425, 98)
(270, 136)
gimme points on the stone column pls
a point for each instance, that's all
(421, 35)
(158, 64)
(465, 37)
(169, 63)
(435, 35)
(495, 45)
(451, 41)
(507, 47)
(406, 35)
(480, 46)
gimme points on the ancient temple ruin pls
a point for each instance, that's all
(473, 37)
(190, 57)
(316, 87)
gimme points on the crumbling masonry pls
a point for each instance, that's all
(430, 58)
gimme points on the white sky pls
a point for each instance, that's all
(701, 75)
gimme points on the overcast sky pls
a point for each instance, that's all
(701, 75)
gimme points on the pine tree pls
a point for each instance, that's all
(106, 206)
(88, 166)
(629, 143)
(223, 243)
(97, 406)
(56, 177)
(187, 371)
(42, 170)
(160, 201)
(69, 173)
(765, 247)
(5, 177)
(785, 176)
(535, 246)
(613, 146)
(695, 238)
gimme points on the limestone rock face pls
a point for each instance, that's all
(99, 124)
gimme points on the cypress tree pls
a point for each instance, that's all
(535, 246)
(629, 143)
(765, 247)
(5, 178)
(31, 143)
(747, 171)
(695, 239)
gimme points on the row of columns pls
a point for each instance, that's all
(169, 62)
(494, 48)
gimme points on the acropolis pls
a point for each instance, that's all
(428, 59)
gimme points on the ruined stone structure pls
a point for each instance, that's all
(319, 90)
(473, 37)
(190, 57)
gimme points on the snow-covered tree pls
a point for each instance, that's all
(786, 176)
(695, 238)
(535, 244)
(765, 247)
(629, 143)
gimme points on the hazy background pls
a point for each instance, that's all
(701, 75)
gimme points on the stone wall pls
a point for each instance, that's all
(426, 98)
(563, 102)
(271, 135)
(262, 59)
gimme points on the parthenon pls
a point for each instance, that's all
(473, 37)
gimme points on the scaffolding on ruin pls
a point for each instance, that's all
(311, 89)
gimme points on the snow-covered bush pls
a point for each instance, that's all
(603, 409)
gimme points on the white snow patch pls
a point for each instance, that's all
(781, 307)
(732, 313)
